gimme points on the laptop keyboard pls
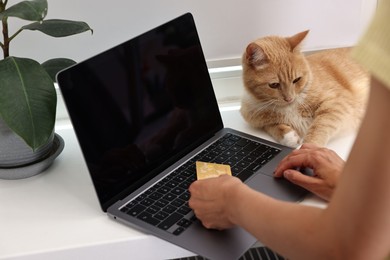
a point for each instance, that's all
(255, 253)
(165, 204)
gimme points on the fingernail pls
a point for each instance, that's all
(286, 174)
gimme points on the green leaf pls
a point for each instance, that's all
(59, 28)
(28, 100)
(53, 66)
(33, 10)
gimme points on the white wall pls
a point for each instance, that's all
(225, 26)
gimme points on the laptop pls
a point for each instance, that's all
(144, 112)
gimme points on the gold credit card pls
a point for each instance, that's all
(206, 170)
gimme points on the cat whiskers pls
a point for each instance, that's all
(266, 105)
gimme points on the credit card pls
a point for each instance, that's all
(206, 170)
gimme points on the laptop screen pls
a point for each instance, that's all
(140, 106)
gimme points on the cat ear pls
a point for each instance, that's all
(255, 55)
(295, 40)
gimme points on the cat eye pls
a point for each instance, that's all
(296, 80)
(273, 85)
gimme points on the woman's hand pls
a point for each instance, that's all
(326, 165)
(211, 200)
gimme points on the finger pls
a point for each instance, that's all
(203, 189)
(312, 184)
(309, 146)
(196, 189)
(302, 180)
(200, 207)
(292, 161)
(300, 158)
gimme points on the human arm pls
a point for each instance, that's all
(356, 223)
(326, 165)
(361, 203)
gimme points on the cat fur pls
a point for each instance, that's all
(301, 99)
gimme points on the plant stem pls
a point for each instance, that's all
(5, 45)
(6, 38)
(3, 5)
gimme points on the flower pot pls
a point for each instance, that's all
(18, 160)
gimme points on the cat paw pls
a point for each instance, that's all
(291, 139)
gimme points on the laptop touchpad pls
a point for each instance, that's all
(278, 188)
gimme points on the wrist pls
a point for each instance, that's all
(235, 199)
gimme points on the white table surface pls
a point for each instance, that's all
(56, 214)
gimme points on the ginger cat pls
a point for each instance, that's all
(301, 99)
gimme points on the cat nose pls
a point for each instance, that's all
(288, 99)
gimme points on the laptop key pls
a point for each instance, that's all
(148, 218)
(161, 203)
(234, 137)
(178, 203)
(249, 158)
(155, 196)
(188, 173)
(169, 209)
(177, 191)
(184, 210)
(185, 196)
(161, 215)
(153, 209)
(245, 174)
(235, 148)
(171, 184)
(137, 209)
(242, 142)
(254, 167)
(170, 221)
(236, 170)
(169, 197)
(180, 178)
(243, 164)
(250, 147)
(178, 231)
(164, 190)
(184, 223)
(147, 202)
(128, 206)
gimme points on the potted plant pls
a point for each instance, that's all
(27, 93)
